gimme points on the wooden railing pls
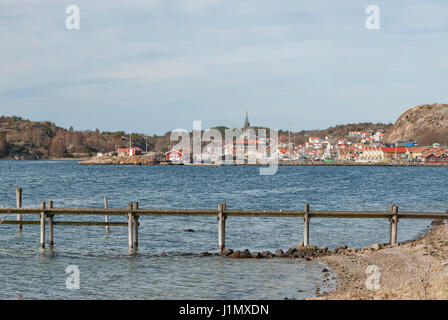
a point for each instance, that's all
(133, 212)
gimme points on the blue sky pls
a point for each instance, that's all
(157, 65)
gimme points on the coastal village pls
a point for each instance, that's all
(357, 147)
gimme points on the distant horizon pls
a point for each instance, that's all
(203, 128)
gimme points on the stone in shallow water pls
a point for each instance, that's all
(279, 253)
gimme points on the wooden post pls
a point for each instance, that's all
(394, 227)
(42, 225)
(19, 205)
(130, 237)
(221, 227)
(306, 225)
(135, 216)
(392, 206)
(50, 224)
(106, 217)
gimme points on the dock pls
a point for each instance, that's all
(51, 216)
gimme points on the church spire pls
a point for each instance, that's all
(246, 122)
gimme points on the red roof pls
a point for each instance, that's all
(394, 149)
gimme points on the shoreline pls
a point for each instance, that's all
(128, 161)
(412, 270)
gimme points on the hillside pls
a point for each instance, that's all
(425, 124)
(25, 139)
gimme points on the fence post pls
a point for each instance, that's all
(130, 237)
(19, 205)
(135, 216)
(221, 227)
(394, 227)
(42, 225)
(106, 217)
(306, 225)
(392, 206)
(50, 224)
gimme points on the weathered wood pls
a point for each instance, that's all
(135, 223)
(50, 224)
(394, 226)
(68, 223)
(306, 225)
(229, 213)
(390, 224)
(130, 231)
(19, 205)
(42, 225)
(221, 227)
(106, 217)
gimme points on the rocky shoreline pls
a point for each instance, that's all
(143, 160)
(415, 269)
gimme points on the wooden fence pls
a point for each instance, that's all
(132, 213)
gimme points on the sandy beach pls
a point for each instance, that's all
(415, 269)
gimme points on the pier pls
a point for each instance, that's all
(49, 216)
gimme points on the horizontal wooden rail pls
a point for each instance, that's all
(67, 223)
(228, 213)
(132, 213)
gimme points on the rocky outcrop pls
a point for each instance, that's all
(114, 160)
(425, 124)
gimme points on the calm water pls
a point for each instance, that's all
(109, 271)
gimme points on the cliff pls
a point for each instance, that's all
(425, 124)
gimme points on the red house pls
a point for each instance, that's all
(436, 157)
(178, 156)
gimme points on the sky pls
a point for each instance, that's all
(156, 65)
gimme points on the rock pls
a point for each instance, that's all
(376, 246)
(237, 254)
(227, 252)
(421, 123)
(188, 230)
(256, 255)
(325, 270)
(246, 254)
(300, 245)
(306, 253)
(337, 248)
(205, 254)
(279, 253)
(291, 251)
(311, 247)
(267, 254)
(323, 249)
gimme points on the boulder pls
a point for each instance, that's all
(279, 253)
(376, 246)
(323, 249)
(291, 251)
(305, 253)
(227, 252)
(267, 254)
(237, 255)
(205, 254)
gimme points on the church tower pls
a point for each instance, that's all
(246, 122)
